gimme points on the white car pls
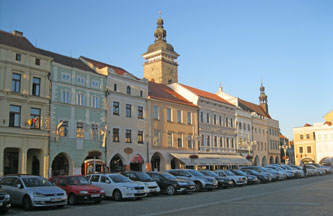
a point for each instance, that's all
(145, 179)
(237, 180)
(118, 186)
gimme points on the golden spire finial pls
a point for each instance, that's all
(160, 13)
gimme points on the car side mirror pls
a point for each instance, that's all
(19, 186)
(107, 181)
(188, 175)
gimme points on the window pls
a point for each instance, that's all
(63, 130)
(214, 119)
(308, 149)
(94, 131)
(220, 120)
(168, 114)
(170, 144)
(189, 118)
(140, 112)
(221, 142)
(156, 138)
(37, 61)
(180, 141)
(155, 112)
(94, 178)
(14, 116)
(79, 130)
(36, 86)
(128, 136)
(95, 84)
(244, 126)
(128, 90)
(232, 142)
(35, 118)
(203, 140)
(80, 80)
(128, 110)
(140, 136)
(201, 117)
(215, 141)
(115, 135)
(18, 57)
(16, 82)
(179, 116)
(301, 136)
(114, 87)
(65, 97)
(248, 127)
(207, 118)
(189, 142)
(300, 149)
(80, 99)
(208, 140)
(240, 125)
(227, 141)
(95, 101)
(308, 136)
(65, 77)
(231, 123)
(226, 122)
(115, 108)
(141, 93)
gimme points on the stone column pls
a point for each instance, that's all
(23, 154)
(2, 152)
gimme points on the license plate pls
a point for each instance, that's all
(1, 203)
(95, 195)
(191, 186)
(55, 199)
(141, 191)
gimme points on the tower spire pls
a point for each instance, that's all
(263, 98)
(160, 32)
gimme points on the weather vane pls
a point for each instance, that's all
(160, 12)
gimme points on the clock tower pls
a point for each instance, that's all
(160, 59)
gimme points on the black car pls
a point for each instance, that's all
(251, 179)
(151, 185)
(264, 178)
(224, 182)
(5, 201)
(170, 184)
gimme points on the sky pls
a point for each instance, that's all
(285, 44)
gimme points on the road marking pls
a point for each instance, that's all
(270, 203)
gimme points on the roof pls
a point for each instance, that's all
(65, 60)
(163, 92)
(205, 94)
(283, 137)
(248, 106)
(99, 65)
(307, 125)
(18, 42)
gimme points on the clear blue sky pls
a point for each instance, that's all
(287, 44)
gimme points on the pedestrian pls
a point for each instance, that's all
(304, 169)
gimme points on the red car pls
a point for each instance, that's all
(78, 188)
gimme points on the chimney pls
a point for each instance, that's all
(18, 33)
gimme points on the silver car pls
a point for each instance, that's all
(33, 191)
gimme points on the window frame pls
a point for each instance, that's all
(36, 86)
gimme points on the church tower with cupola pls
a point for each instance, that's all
(160, 59)
(263, 98)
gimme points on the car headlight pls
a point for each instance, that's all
(7, 197)
(37, 194)
(83, 192)
(128, 188)
(102, 191)
(182, 183)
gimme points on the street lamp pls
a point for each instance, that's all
(285, 148)
(249, 144)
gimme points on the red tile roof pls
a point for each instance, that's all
(205, 94)
(307, 125)
(118, 70)
(248, 106)
(328, 123)
(282, 137)
(163, 92)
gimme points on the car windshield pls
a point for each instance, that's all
(288, 168)
(36, 182)
(77, 180)
(252, 171)
(240, 172)
(296, 167)
(270, 169)
(229, 173)
(168, 176)
(209, 173)
(119, 178)
(143, 176)
(195, 173)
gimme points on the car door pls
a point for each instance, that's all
(7, 185)
(62, 184)
(17, 190)
(106, 184)
(159, 180)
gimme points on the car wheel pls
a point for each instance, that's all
(27, 205)
(171, 190)
(117, 195)
(198, 186)
(71, 199)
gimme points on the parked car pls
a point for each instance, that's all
(142, 177)
(280, 175)
(32, 191)
(287, 173)
(237, 180)
(315, 170)
(79, 189)
(118, 187)
(5, 202)
(200, 180)
(223, 182)
(326, 169)
(251, 179)
(263, 177)
(170, 184)
(259, 170)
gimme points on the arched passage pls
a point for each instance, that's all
(277, 160)
(116, 164)
(157, 162)
(136, 163)
(62, 165)
(34, 158)
(256, 161)
(307, 160)
(271, 160)
(264, 161)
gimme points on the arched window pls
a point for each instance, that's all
(128, 90)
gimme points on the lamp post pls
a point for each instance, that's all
(249, 144)
(285, 148)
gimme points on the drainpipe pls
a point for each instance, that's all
(49, 132)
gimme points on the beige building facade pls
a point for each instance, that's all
(24, 105)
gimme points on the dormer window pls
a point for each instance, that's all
(128, 90)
